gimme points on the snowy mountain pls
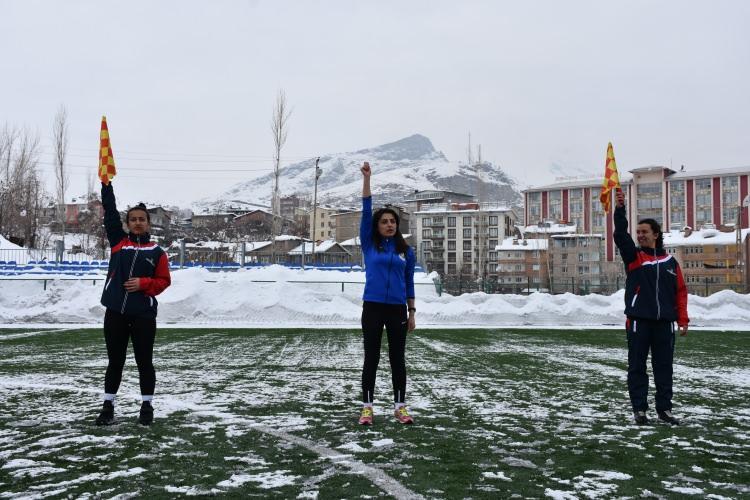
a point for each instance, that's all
(399, 168)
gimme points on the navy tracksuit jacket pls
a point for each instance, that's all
(132, 257)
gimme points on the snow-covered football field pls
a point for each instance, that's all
(272, 413)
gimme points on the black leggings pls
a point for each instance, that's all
(394, 317)
(118, 329)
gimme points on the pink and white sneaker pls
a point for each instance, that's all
(402, 415)
(365, 418)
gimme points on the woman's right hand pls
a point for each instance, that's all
(365, 169)
(620, 198)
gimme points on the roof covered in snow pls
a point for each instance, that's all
(702, 237)
(523, 244)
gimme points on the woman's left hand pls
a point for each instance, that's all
(133, 285)
(411, 323)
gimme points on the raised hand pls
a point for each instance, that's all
(365, 169)
(620, 198)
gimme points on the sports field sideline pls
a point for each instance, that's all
(272, 413)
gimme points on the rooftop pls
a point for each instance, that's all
(703, 237)
(522, 244)
(550, 228)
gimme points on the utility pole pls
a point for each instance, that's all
(318, 171)
(482, 254)
(740, 249)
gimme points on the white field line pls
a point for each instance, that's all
(33, 334)
(379, 478)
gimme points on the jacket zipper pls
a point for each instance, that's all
(388, 278)
(658, 305)
(130, 275)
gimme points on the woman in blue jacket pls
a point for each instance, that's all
(388, 300)
(138, 272)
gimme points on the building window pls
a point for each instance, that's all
(451, 222)
(534, 206)
(467, 244)
(467, 256)
(555, 205)
(452, 257)
(729, 200)
(493, 255)
(493, 232)
(649, 201)
(467, 233)
(451, 245)
(426, 233)
(677, 204)
(467, 221)
(703, 202)
(451, 233)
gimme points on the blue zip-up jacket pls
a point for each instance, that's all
(132, 257)
(389, 276)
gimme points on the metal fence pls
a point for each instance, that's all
(456, 285)
(25, 256)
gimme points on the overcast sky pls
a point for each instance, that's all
(191, 85)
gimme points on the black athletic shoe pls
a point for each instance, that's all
(666, 416)
(640, 417)
(107, 416)
(147, 413)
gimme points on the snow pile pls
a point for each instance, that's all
(276, 296)
(7, 245)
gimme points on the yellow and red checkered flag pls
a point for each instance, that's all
(611, 179)
(106, 160)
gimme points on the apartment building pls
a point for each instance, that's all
(711, 260)
(522, 265)
(460, 238)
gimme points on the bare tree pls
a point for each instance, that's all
(60, 143)
(21, 196)
(279, 129)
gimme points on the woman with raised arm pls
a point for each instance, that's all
(655, 297)
(388, 300)
(138, 272)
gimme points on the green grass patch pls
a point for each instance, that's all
(272, 413)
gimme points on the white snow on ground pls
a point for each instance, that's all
(297, 298)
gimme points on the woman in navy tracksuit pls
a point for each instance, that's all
(655, 297)
(388, 300)
(138, 271)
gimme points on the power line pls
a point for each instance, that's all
(167, 159)
(137, 169)
(95, 152)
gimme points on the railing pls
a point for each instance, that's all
(22, 256)
(456, 285)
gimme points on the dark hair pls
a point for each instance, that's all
(401, 245)
(656, 228)
(139, 206)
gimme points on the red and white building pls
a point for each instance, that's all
(675, 199)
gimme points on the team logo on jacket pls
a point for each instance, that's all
(402, 256)
(672, 272)
(150, 261)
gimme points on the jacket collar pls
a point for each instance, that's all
(654, 251)
(141, 238)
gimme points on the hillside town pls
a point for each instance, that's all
(558, 239)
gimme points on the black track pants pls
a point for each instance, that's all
(118, 329)
(658, 337)
(374, 317)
